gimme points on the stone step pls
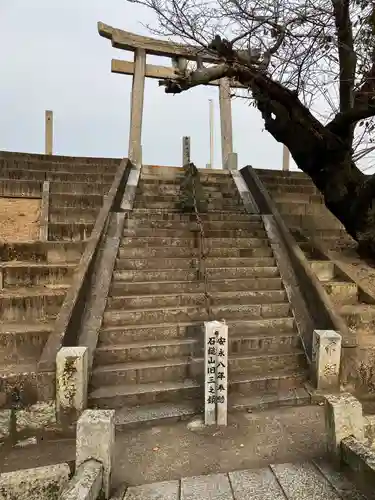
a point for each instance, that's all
(42, 251)
(189, 252)
(118, 396)
(73, 215)
(282, 174)
(324, 269)
(314, 222)
(277, 187)
(59, 231)
(147, 351)
(256, 344)
(24, 304)
(192, 263)
(195, 313)
(121, 370)
(28, 274)
(154, 193)
(194, 299)
(168, 205)
(314, 209)
(83, 201)
(61, 167)
(359, 317)
(24, 341)
(186, 233)
(297, 198)
(42, 159)
(123, 334)
(286, 181)
(55, 176)
(163, 172)
(20, 189)
(194, 225)
(79, 188)
(160, 189)
(158, 215)
(157, 242)
(122, 288)
(220, 273)
(342, 292)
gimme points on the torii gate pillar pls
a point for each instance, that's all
(136, 110)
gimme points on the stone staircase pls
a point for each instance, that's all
(302, 206)
(150, 347)
(305, 214)
(35, 275)
(77, 187)
(316, 480)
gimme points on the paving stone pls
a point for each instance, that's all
(212, 487)
(258, 484)
(167, 490)
(303, 482)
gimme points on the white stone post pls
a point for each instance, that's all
(326, 356)
(216, 373)
(286, 158)
(71, 380)
(344, 418)
(96, 440)
(225, 120)
(136, 113)
(48, 132)
(185, 151)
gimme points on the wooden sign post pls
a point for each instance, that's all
(216, 373)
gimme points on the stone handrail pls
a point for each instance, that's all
(67, 324)
(319, 305)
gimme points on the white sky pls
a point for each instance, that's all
(53, 58)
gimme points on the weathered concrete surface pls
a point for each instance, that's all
(71, 379)
(326, 356)
(5, 416)
(86, 482)
(41, 483)
(361, 462)
(36, 417)
(96, 440)
(164, 453)
(166, 490)
(343, 419)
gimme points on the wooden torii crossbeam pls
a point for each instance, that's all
(180, 54)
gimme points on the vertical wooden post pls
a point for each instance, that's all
(48, 147)
(211, 108)
(286, 158)
(185, 151)
(225, 120)
(44, 212)
(136, 112)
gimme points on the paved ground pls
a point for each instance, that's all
(172, 451)
(302, 481)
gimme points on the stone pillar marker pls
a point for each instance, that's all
(286, 158)
(326, 357)
(216, 373)
(49, 132)
(344, 418)
(71, 380)
(96, 440)
(232, 161)
(136, 113)
(185, 151)
(225, 120)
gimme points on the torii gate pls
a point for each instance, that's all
(139, 69)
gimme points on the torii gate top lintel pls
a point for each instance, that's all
(130, 41)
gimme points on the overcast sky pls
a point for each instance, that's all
(52, 57)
